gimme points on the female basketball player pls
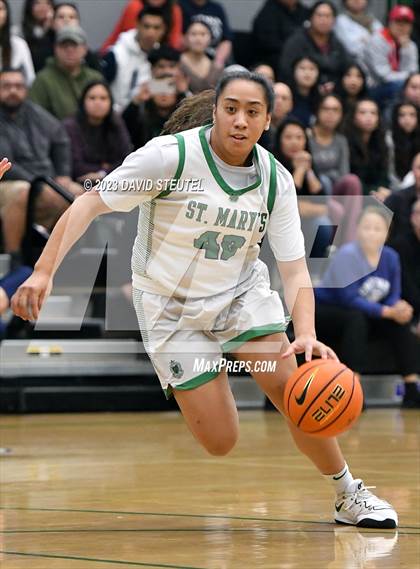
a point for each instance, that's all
(199, 288)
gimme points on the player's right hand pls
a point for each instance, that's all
(30, 296)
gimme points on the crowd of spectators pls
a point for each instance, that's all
(345, 123)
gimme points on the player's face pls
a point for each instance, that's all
(372, 232)
(240, 117)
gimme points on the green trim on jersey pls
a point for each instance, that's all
(214, 170)
(193, 383)
(181, 163)
(265, 330)
(273, 183)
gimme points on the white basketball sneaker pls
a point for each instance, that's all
(359, 507)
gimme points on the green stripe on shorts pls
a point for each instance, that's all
(193, 383)
(256, 332)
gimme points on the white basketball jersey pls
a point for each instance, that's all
(201, 238)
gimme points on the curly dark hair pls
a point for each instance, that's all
(192, 112)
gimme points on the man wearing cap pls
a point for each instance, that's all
(391, 55)
(58, 86)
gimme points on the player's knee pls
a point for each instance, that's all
(221, 446)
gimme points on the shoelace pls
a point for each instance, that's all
(362, 493)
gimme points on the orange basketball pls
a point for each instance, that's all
(323, 398)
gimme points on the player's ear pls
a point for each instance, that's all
(214, 113)
(268, 122)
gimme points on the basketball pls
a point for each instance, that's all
(323, 398)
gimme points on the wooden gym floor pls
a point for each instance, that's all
(134, 490)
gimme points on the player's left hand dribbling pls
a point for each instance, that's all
(309, 346)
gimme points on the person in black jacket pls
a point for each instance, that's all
(274, 24)
(319, 42)
(401, 202)
(408, 247)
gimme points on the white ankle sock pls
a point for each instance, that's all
(340, 481)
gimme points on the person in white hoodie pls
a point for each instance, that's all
(14, 51)
(355, 27)
(126, 65)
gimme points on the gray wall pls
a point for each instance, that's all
(99, 16)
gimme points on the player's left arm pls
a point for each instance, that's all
(299, 297)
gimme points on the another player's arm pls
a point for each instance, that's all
(30, 296)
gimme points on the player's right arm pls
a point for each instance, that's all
(30, 296)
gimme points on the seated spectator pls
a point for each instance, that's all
(352, 86)
(319, 42)
(369, 158)
(59, 85)
(403, 144)
(214, 15)
(292, 150)
(390, 55)
(98, 136)
(38, 145)
(126, 65)
(265, 70)
(360, 298)
(155, 101)
(401, 202)
(283, 104)
(67, 14)
(202, 72)
(330, 152)
(128, 21)
(37, 30)
(408, 247)
(273, 25)
(14, 51)
(355, 27)
(411, 89)
(305, 89)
